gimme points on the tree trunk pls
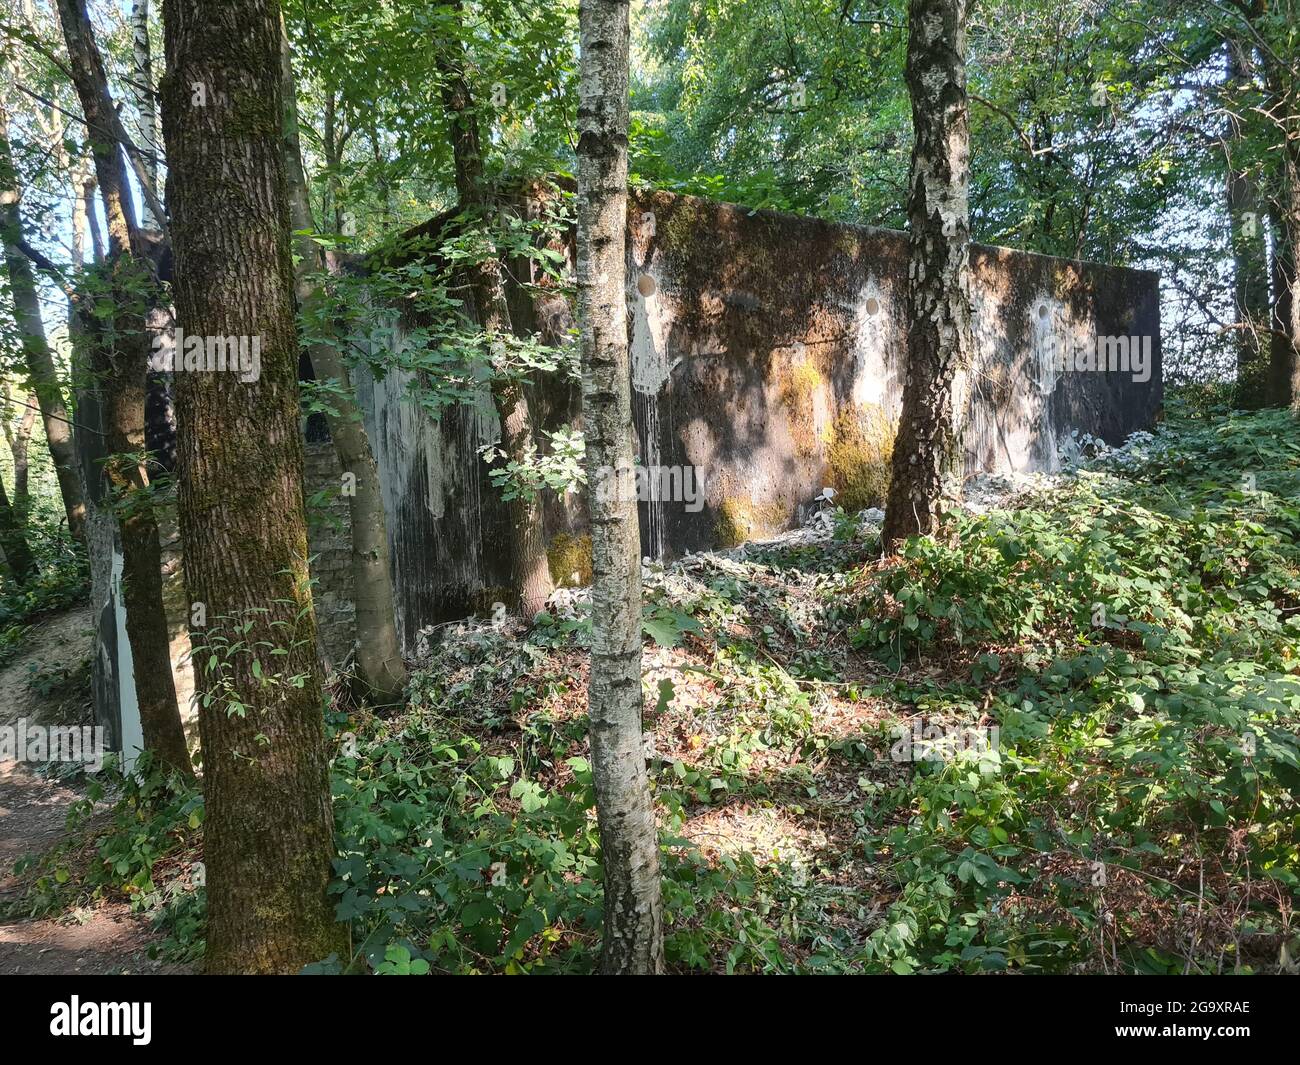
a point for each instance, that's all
(87, 210)
(19, 437)
(119, 345)
(1281, 83)
(1284, 369)
(1282, 351)
(13, 541)
(268, 836)
(530, 567)
(379, 653)
(101, 527)
(928, 444)
(1246, 220)
(142, 92)
(633, 939)
(42, 375)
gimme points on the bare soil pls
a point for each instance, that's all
(105, 938)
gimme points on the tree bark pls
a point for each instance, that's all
(1246, 219)
(42, 375)
(633, 936)
(1282, 348)
(13, 540)
(268, 837)
(379, 652)
(1280, 79)
(87, 211)
(928, 444)
(142, 92)
(119, 345)
(531, 568)
(19, 437)
(1285, 357)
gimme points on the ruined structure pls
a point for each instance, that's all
(760, 340)
(767, 365)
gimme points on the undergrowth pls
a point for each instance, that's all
(1126, 643)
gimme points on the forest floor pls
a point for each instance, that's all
(1062, 735)
(46, 683)
(1059, 736)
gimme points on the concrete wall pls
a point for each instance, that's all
(329, 543)
(752, 334)
(446, 523)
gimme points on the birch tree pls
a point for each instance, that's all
(633, 934)
(928, 445)
(142, 93)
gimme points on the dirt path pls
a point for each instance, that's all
(56, 645)
(102, 939)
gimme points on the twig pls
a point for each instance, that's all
(75, 425)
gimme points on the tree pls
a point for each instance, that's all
(42, 375)
(530, 567)
(1247, 217)
(928, 444)
(379, 652)
(1283, 359)
(112, 321)
(268, 835)
(1285, 362)
(380, 154)
(633, 937)
(142, 93)
(1262, 35)
(18, 434)
(13, 539)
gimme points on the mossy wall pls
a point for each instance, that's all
(777, 344)
(767, 355)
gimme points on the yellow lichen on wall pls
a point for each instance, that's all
(740, 519)
(570, 560)
(859, 453)
(799, 386)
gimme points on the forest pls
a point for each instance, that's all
(676, 487)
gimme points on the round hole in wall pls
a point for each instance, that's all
(873, 306)
(645, 285)
(1042, 310)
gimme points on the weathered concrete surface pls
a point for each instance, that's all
(329, 545)
(446, 523)
(752, 334)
